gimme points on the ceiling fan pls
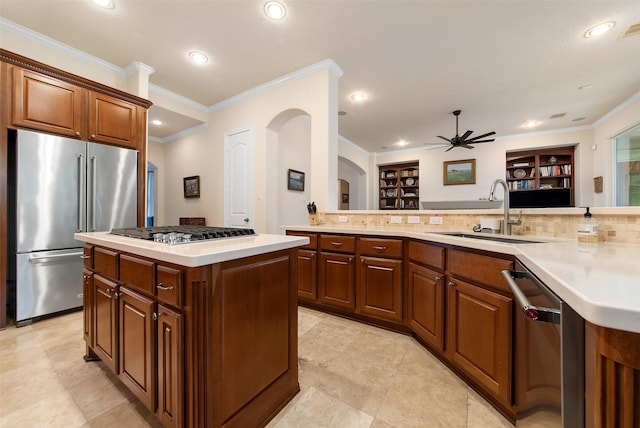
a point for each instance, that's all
(462, 141)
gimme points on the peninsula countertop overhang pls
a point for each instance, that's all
(199, 253)
(601, 281)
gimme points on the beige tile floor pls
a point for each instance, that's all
(351, 375)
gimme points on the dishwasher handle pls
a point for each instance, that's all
(531, 312)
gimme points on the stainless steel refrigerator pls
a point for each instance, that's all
(59, 186)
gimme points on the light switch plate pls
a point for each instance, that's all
(342, 219)
(435, 220)
(396, 219)
(413, 219)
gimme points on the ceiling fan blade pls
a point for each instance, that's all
(481, 141)
(445, 139)
(449, 148)
(466, 134)
(466, 146)
(480, 136)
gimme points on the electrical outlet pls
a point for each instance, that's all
(396, 219)
(342, 219)
(435, 220)
(413, 219)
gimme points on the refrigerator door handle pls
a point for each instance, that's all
(94, 174)
(40, 259)
(81, 193)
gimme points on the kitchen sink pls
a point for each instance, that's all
(486, 237)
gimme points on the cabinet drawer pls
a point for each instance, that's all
(169, 285)
(313, 240)
(427, 254)
(105, 262)
(380, 247)
(338, 243)
(478, 268)
(137, 273)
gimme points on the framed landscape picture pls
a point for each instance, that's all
(295, 180)
(459, 172)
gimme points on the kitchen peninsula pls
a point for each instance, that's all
(447, 292)
(203, 333)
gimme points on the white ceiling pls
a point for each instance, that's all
(501, 62)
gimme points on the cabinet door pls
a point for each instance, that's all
(112, 120)
(87, 307)
(426, 304)
(170, 368)
(307, 275)
(336, 280)
(138, 346)
(380, 288)
(47, 104)
(479, 335)
(106, 321)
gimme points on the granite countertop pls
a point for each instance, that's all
(196, 253)
(600, 281)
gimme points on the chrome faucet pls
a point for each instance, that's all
(506, 223)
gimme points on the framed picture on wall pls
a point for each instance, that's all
(295, 180)
(191, 186)
(459, 172)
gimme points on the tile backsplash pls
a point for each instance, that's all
(620, 228)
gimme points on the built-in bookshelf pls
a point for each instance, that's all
(399, 187)
(541, 173)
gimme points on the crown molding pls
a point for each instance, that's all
(177, 97)
(41, 39)
(618, 109)
(137, 66)
(327, 64)
(181, 134)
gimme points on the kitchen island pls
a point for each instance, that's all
(204, 333)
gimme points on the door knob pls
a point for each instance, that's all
(246, 220)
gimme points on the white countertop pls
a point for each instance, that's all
(196, 253)
(599, 281)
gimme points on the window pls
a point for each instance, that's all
(627, 168)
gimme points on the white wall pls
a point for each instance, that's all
(294, 149)
(357, 179)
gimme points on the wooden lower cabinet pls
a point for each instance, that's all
(379, 291)
(612, 383)
(307, 275)
(105, 313)
(137, 336)
(479, 335)
(426, 304)
(336, 280)
(87, 301)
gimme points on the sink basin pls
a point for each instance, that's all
(486, 237)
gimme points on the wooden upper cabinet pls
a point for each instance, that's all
(47, 104)
(112, 120)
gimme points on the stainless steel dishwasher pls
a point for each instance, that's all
(549, 355)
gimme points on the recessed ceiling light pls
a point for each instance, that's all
(402, 143)
(531, 124)
(105, 4)
(275, 10)
(599, 29)
(156, 122)
(358, 96)
(198, 57)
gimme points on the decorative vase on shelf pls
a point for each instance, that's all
(553, 159)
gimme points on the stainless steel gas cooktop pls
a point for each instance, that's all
(182, 234)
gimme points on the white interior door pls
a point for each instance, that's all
(238, 178)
